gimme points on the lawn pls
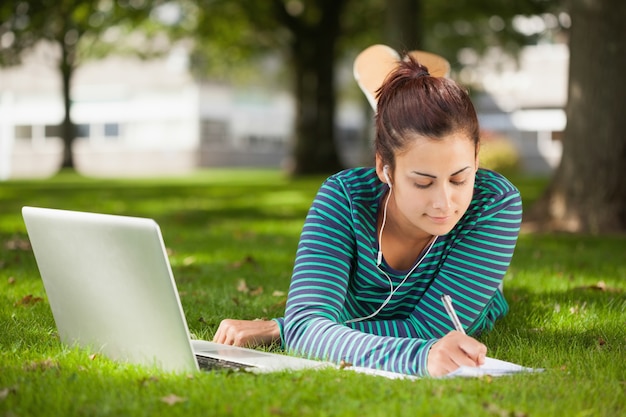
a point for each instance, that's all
(231, 236)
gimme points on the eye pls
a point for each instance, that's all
(458, 183)
(422, 186)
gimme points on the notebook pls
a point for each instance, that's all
(111, 290)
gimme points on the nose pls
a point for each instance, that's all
(442, 198)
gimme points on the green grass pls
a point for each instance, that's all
(567, 296)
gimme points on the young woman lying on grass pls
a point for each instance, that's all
(381, 245)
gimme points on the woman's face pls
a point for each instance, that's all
(433, 183)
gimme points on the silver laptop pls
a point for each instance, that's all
(111, 290)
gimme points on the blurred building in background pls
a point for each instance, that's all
(136, 117)
(152, 117)
(524, 101)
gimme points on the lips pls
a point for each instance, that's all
(439, 219)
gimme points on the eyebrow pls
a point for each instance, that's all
(434, 176)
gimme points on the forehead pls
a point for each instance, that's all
(454, 143)
(438, 156)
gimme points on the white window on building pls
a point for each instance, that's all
(23, 132)
(52, 131)
(213, 132)
(111, 130)
(82, 131)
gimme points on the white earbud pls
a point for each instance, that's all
(386, 175)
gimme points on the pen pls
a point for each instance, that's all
(447, 303)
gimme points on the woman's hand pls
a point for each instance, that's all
(454, 350)
(248, 333)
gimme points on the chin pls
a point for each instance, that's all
(439, 229)
(442, 231)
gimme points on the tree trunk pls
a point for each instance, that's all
(68, 130)
(403, 28)
(588, 190)
(313, 52)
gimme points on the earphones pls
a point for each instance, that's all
(386, 175)
(379, 258)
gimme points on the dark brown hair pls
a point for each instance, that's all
(411, 102)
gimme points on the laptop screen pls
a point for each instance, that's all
(110, 286)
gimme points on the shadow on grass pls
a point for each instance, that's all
(181, 205)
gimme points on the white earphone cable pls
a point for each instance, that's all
(379, 260)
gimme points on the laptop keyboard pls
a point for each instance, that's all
(212, 364)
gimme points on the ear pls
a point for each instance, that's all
(379, 169)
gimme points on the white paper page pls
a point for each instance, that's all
(491, 367)
(378, 372)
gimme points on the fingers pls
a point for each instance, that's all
(221, 333)
(472, 349)
(455, 350)
(248, 333)
(229, 333)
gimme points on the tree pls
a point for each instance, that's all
(306, 33)
(76, 28)
(403, 25)
(587, 192)
(313, 50)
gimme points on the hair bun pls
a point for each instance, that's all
(437, 65)
(374, 64)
